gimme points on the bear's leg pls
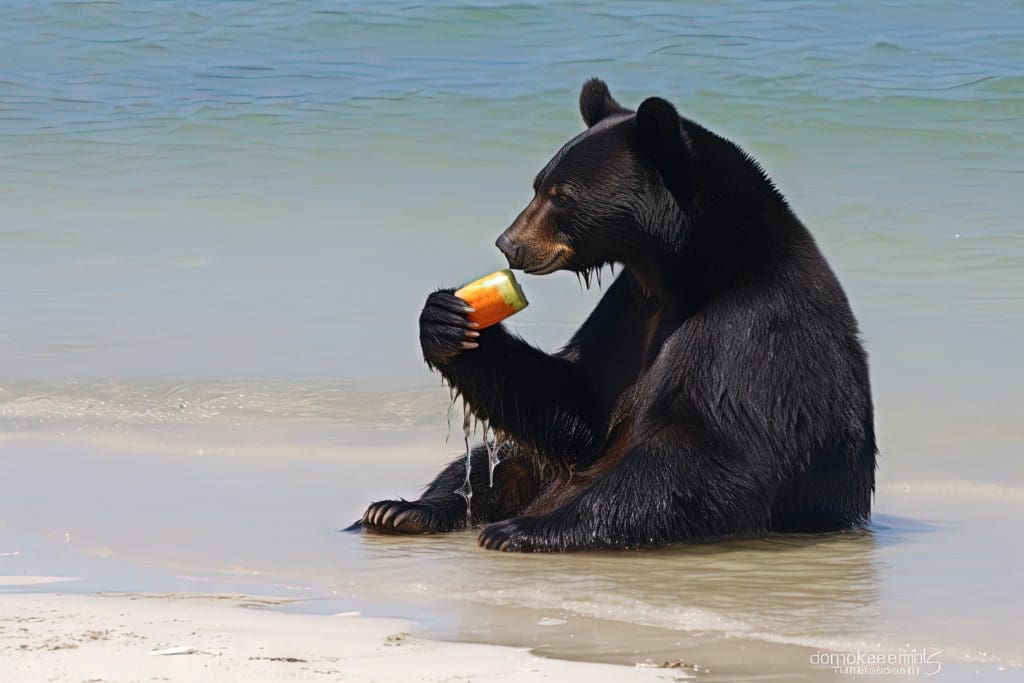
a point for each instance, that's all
(440, 509)
(662, 491)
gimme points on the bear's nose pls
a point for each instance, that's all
(509, 248)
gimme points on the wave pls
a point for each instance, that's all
(230, 403)
(959, 488)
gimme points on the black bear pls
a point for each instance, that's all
(718, 389)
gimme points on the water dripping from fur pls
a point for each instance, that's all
(494, 442)
(466, 490)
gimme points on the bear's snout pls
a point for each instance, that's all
(533, 242)
(509, 248)
(537, 257)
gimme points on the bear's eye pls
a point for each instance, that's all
(560, 198)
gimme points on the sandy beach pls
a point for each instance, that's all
(129, 637)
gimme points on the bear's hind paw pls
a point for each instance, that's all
(511, 535)
(404, 517)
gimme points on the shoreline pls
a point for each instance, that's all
(220, 528)
(216, 637)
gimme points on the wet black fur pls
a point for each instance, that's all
(723, 365)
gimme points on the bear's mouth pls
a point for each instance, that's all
(561, 256)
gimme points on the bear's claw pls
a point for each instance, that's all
(509, 536)
(402, 517)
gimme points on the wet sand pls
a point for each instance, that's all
(54, 637)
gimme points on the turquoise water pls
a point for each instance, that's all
(219, 220)
(253, 192)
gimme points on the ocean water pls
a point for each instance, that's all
(219, 220)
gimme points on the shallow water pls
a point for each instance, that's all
(934, 571)
(218, 222)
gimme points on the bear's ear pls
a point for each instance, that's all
(660, 136)
(596, 103)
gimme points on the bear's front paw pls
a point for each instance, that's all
(513, 535)
(445, 331)
(405, 517)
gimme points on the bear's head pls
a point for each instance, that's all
(607, 192)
